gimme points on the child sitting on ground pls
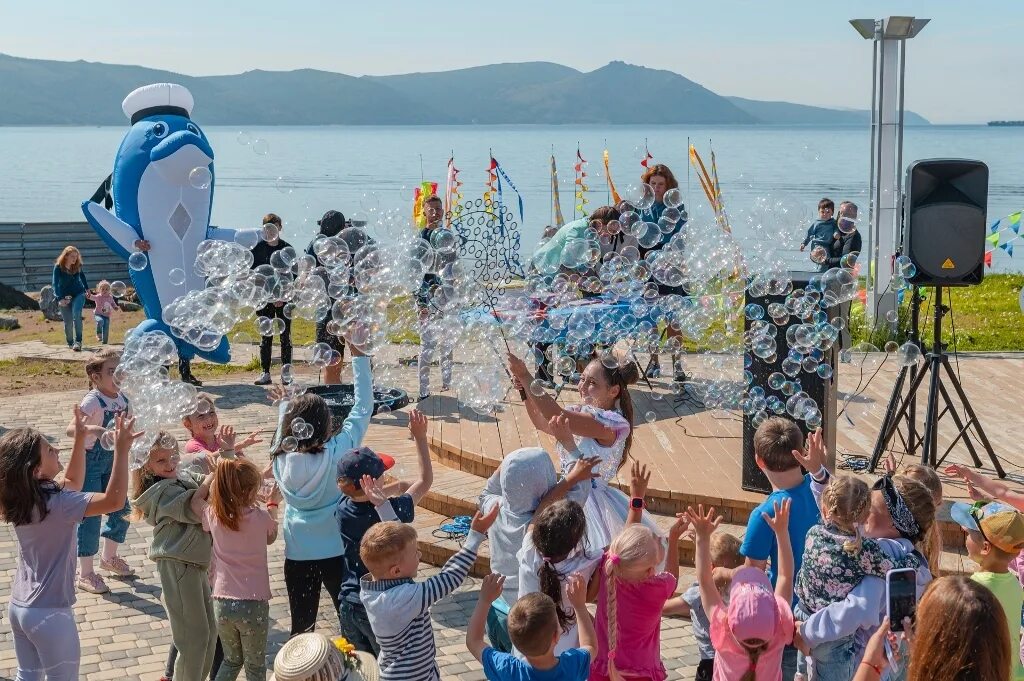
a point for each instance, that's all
(105, 307)
(751, 632)
(399, 607)
(204, 447)
(995, 537)
(364, 504)
(534, 629)
(100, 407)
(725, 556)
(631, 594)
(181, 549)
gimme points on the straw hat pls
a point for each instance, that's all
(313, 657)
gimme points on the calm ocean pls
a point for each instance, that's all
(47, 172)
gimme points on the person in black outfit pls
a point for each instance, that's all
(261, 253)
(844, 244)
(331, 224)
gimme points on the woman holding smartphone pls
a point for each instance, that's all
(901, 515)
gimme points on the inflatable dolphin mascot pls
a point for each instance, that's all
(157, 198)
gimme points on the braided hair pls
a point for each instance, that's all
(557, 531)
(753, 654)
(846, 501)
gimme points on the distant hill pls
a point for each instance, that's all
(43, 92)
(802, 114)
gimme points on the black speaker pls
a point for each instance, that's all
(944, 221)
(820, 389)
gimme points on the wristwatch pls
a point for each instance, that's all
(636, 502)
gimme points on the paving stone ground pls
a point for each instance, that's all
(124, 634)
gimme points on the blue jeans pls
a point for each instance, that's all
(72, 316)
(835, 660)
(98, 465)
(355, 626)
(103, 328)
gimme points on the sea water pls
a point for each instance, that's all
(299, 172)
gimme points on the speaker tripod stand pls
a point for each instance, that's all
(901, 410)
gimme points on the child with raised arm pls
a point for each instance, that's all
(209, 439)
(304, 461)
(750, 633)
(45, 515)
(534, 629)
(99, 408)
(363, 504)
(398, 607)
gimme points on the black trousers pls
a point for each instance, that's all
(172, 656)
(303, 579)
(267, 342)
(705, 670)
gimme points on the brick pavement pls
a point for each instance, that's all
(124, 634)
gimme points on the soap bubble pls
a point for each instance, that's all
(673, 198)
(118, 289)
(243, 138)
(846, 224)
(261, 146)
(819, 254)
(537, 387)
(650, 417)
(286, 373)
(908, 354)
(892, 316)
(247, 238)
(137, 261)
(892, 346)
(107, 439)
(200, 178)
(282, 185)
(810, 153)
(269, 232)
(290, 443)
(176, 276)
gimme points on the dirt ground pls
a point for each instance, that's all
(35, 327)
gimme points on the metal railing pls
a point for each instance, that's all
(28, 251)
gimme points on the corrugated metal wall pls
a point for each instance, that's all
(29, 249)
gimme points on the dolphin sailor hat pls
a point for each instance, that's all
(158, 98)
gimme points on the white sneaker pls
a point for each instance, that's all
(264, 379)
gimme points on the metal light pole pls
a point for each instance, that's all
(889, 39)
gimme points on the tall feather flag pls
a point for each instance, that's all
(556, 201)
(452, 192)
(490, 193)
(723, 217)
(646, 160)
(611, 185)
(502, 175)
(580, 205)
(419, 195)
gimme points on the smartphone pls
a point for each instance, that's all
(901, 594)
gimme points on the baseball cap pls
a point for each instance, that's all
(355, 463)
(755, 612)
(1001, 524)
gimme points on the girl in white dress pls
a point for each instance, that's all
(601, 427)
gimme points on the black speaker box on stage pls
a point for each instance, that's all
(944, 221)
(820, 389)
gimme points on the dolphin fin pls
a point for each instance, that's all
(220, 355)
(116, 233)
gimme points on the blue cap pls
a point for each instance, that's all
(355, 463)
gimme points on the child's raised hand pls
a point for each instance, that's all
(123, 435)
(418, 425)
(482, 522)
(491, 586)
(517, 367)
(373, 491)
(576, 591)
(226, 437)
(704, 524)
(81, 427)
(779, 519)
(583, 470)
(251, 439)
(814, 456)
(558, 427)
(639, 478)
(681, 525)
(276, 393)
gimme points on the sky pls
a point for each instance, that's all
(966, 66)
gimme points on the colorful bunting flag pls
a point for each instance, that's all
(556, 202)
(420, 194)
(500, 172)
(580, 205)
(993, 239)
(452, 193)
(988, 258)
(1008, 247)
(611, 184)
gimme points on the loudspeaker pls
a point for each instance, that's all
(822, 390)
(944, 221)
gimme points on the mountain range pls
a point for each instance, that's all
(45, 92)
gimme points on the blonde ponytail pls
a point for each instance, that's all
(853, 546)
(611, 576)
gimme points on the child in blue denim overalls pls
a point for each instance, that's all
(100, 406)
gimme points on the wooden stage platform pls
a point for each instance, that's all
(695, 456)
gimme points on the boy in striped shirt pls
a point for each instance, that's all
(399, 607)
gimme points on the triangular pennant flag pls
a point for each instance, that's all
(988, 258)
(995, 227)
(1015, 222)
(993, 239)
(1008, 247)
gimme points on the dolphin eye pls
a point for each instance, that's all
(159, 130)
(193, 129)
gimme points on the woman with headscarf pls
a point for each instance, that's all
(331, 224)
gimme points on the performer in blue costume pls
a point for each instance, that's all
(162, 188)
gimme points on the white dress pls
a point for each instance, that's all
(607, 507)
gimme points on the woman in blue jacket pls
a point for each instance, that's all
(69, 288)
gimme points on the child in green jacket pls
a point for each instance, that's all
(181, 550)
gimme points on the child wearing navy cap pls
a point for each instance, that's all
(364, 504)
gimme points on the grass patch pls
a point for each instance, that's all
(987, 317)
(27, 369)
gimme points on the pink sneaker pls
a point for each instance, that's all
(93, 583)
(117, 566)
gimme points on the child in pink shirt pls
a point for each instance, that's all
(105, 306)
(751, 632)
(631, 594)
(241, 532)
(204, 448)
